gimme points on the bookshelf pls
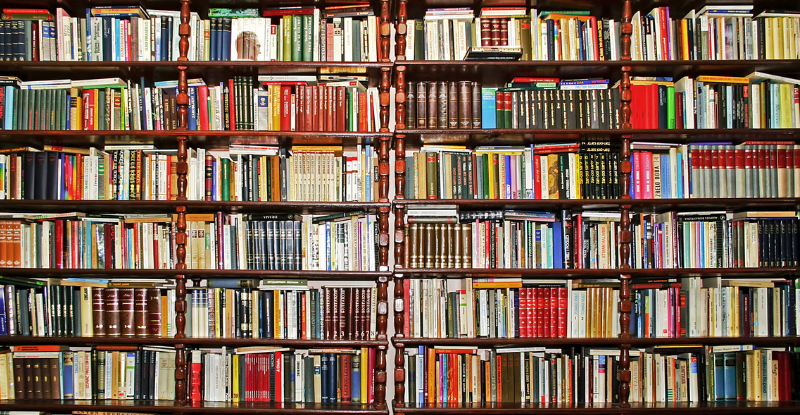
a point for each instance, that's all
(408, 140)
(377, 73)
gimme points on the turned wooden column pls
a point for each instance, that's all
(182, 102)
(625, 223)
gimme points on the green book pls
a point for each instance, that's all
(297, 38)
(286, 21)
(100, 110)
(358, 41)
(501, 119)
(64, 109)
(226, 184)
(419, 40)
(525, 39)
(671, 107)
(308, 38)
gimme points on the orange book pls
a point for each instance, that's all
(40, 348)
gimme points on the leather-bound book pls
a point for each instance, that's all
(413, 245)
(126, 311)
(45, 378)
(140, 312)
(464, 104)
(112, 312)
(429, 242)
(495, 32)
(452, 105)
(99, 311)
(411, 105)
(433, 110)
(476, 105)
(503, 32)
(422, 105)
(441, 105)
(486, 32)
(458, 251)
(153, 321)
(466, 245)
(19, 378)
(29, 378)
(55, 379)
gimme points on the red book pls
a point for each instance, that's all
(39, 348)
(562, 311)
(286, 108)
(523, 313)
(554, 306)
(59, 231)
(541, 303)
(345, 377)
(278, 387)
(546, 306)
(652, 106)
(363, 125)
(232, 91)
(579, 243)
(202, 105)
(637, 175)
(307, 103)
(537, 177)
(637, 101)
(647, 174)
(88, 109)
(341, 105)
(499, 374)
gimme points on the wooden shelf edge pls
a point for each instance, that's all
(598, 342)
(164, 406)
(209, 273)
(661, 408)
(593, 204)
(144, 341)
(598, 273)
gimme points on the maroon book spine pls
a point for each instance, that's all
(127, 300)
(99, 311)
(140, 312)
(112, 317)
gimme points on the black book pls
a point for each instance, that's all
(76, 313)
(411, 106)
(137, 376)
(237, 314)
(68, 311)
(269, 302)
(288, 377)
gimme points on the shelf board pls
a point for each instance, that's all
(586, 408)
(164, 406)
(597, 273)
(596, 342)
(506, 136)
(502, 71)
(193, 206)
(168, 139)
(83, 341)
(203, 273)
(637, 205)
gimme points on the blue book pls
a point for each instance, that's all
(539, 262)
(666, 178)
(192, 122)
(333, 374)
(68, 368)
(507, 190)
(730, 376)
(558, 245)
(719, 376)
(213, 40)
(355, 384)
(631, 188)
(636, 316)
(488, 108)
(8, 107)
(443, 361)
(88, 49)
(226, 39)
(3, 312)
(118, 40)
(324, 377)
(679, 177)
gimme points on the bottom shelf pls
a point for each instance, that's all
(163, 406)
(662, 408)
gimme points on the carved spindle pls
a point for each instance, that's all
(380, 355)
(383, 171)
(625, 232)
(400, 99)
(402, 31)
(386, 81)
(386, 31)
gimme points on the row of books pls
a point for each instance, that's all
(751, 169)
(96, 372)
(714, 239)
(715, 32)
(278, 103)
(759, 100)
(586, 170)
(466, 375)
(528, 103)
(512, 33)
(283, 309)
(54, 308)
(714, 307)
(341, 242)
(445, 238)
(282, 375)
(122, 33)
(508, 308)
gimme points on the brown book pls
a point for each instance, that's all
(327, 323)
(19, 378)
(300, 108)
(503, 32)
(486, 32)
(112, 312)
(413, 246)
(99, 311)
(342, 317)
(429, 242)
(458, 251)
(330, 113)
(441, 105)
(432, 175)
(441, 241)
(127, 311)
(476, 105)
(55, 378)
(495, 32)
(153, 321)
(422, 105)
(433, 101)
(318, 114)
(466, 245)
(30, 388)
(349, 313)
(450, 247)
(308, 104)
(464, 104)
(140, 310)
(45, 378)
(452, 105)
(411, 105)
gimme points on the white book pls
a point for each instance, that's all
(347, 33)
(316, 41)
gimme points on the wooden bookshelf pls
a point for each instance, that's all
(678, 408)
(596, 341)
(168, 407)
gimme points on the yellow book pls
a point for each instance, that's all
(235, 375)
(577, 177)
(277, 329)
(432, 374)
(217, 314)
(275, 104)
(254, 313)
(777, 36)
(364, 374)
(685, 38)
(512, 284)
(768, 41)
(726, 79)
(786, 100)
(490, 168)
(780, 38)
